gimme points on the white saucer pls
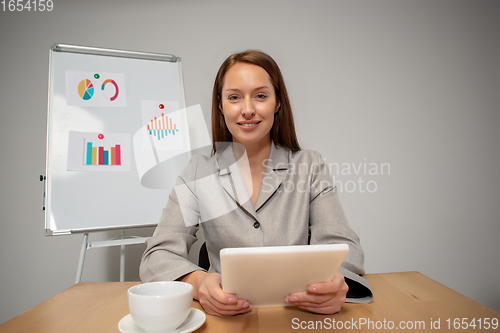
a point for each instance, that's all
(194, 320)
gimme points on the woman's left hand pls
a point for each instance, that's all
(323, 298)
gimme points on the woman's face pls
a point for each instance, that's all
(248, 103)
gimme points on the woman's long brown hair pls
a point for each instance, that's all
(283, 130)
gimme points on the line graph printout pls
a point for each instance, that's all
(160, 128)
(98, 151)
(163, 125)
(95, 89)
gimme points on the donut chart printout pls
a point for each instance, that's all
(95, 89)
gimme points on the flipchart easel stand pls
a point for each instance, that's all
(121, 241)
(155, 76)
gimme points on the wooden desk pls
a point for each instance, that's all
(410, 298)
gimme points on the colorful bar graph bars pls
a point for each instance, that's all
(162, 127)
(99, 156)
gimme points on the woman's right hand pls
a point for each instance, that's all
(208, 291)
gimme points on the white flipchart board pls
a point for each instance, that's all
(83, 81)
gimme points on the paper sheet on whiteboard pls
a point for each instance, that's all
(95, 89)
(98, 151)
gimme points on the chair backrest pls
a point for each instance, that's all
(203, 260)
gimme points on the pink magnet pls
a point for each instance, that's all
(100, 136)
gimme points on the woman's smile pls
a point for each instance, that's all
(249, 125)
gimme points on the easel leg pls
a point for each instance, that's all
(82, 258)
(122, 259)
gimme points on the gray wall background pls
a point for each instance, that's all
(412, 84)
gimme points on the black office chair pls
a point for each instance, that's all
(203, 260)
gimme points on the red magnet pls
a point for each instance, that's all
(161, 106)
(100, 136)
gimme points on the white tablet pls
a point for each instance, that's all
(265, 276)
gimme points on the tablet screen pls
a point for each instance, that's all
(265, 276)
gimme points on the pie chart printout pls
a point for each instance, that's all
(85, 89)
(91, 89)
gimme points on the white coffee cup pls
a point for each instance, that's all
(160, 306)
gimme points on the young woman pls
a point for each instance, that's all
(257, 189)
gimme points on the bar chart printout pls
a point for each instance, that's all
(94, 151)
(162, 127)
(97, 155)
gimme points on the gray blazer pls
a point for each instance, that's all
(297, 196)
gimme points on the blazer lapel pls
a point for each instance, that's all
(276, 168)
(232, 180)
